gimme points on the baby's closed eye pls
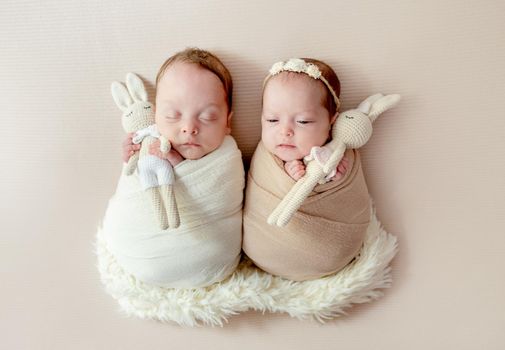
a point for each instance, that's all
(171, 117)
(208, 117)
(304, 121)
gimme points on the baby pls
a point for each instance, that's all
(298, 113)
(193, 106)
(300, 105)
(193, 111)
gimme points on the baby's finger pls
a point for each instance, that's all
(298, 168)
(126, 142)
(337, 177)
(300, 173)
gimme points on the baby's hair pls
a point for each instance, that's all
(332, 79)
(206, 60)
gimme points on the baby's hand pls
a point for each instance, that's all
(129, 148)
(295, 169)
(172, 156)
(341, 169)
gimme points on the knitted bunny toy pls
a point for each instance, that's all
(156, 175)
(352, 129)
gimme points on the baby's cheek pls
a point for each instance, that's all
(267, 139)
(166, 130)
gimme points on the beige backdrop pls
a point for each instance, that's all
(435, 164)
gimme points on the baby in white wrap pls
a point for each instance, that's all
(193, 111)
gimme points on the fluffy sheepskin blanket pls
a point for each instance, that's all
(250, 288)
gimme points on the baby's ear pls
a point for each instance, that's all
(228, 123)
(332, 120)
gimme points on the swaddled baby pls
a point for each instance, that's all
(300, 105)
(193, 111)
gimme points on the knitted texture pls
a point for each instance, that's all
(249, 288)
(206, 247)
(138, 116)
(352, 129)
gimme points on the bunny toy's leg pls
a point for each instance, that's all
(281, 207)
(300, 190)
(172, 213)
(300, 194)
(159, 209)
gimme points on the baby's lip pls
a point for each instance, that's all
(191, 144)
(287, 145)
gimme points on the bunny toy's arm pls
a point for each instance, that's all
(335, 158)
(132, 164)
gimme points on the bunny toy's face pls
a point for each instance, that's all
(139, 115)
(353, 128)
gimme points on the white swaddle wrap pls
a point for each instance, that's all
(206, 247)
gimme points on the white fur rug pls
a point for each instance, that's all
(250, 288)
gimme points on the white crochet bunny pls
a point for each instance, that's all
(156, 175)
(352, 129)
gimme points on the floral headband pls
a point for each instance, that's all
(300, 66)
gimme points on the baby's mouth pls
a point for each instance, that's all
(286, 146)
(191, 144)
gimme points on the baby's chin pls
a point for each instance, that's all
(287, 155)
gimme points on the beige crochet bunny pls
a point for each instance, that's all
(156, 175)
(352, 129)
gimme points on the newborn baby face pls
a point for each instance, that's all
(191, 109)
(294, 118)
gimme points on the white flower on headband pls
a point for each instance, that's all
(313, 71)
(296, 65)
(277, 68)
(300, 66)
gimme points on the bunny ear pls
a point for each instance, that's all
(120, 95)
(136, 87)
(365, 106)
(382, 105)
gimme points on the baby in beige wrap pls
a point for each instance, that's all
(300, 105)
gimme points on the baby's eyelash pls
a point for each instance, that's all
(208, 118)
(304, 121)
(271, 120)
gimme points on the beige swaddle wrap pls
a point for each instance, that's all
(323, 236)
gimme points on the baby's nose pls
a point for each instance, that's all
(190, 128)
(287, 130)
